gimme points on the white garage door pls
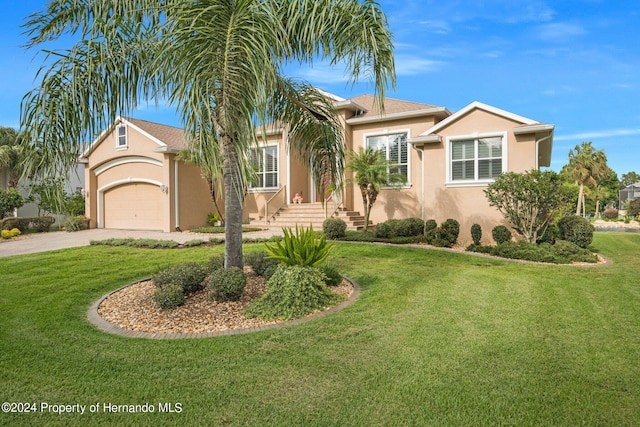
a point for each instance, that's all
(135, 206)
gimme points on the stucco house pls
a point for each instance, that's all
(134, 180)
(448, 159)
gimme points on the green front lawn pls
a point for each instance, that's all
(436, 338)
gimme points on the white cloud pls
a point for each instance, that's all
(607, 133)
(407, 65)
(437, 27)
(559, 31)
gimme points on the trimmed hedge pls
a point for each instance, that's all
(39, 223)
(334, 228)
(408, 227)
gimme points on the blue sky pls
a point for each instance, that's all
(575, 64)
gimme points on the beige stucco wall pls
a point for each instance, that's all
(194, 199)
(256, 199)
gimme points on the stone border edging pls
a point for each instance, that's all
(110, 328)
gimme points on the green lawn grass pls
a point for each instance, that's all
(436, 338)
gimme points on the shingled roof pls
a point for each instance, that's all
(173, 137)
(391, 105)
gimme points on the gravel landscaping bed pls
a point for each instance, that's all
(133, 308)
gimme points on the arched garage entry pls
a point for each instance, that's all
(135, 204)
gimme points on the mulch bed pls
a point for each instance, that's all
(133, 308)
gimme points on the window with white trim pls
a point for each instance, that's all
(394, 146)
(265, 163)
(121, 136)
(477, 159)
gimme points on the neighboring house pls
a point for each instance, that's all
(629, 193)
(133, 179)
(30, 209)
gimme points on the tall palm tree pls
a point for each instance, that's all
(219, 62)
(586, 166)
(371, 172)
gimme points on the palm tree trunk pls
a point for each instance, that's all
(580, 195)
(233, 204)
(365, 204)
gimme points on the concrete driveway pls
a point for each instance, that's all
(41, 242)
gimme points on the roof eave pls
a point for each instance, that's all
(435, 111)
(535, 128)
(425, 139)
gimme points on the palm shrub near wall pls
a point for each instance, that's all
(501, 234)
(302, 248)
(476, 233)
(576, 229)
(292, 292)
(334, 228)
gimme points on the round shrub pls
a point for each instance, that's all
(476, 234)
(610, 213)
(382, 231)
(189, 276)
(169, 296)
(216, 262)
(429, 225)
(501, 234)
(260, 263)
(576, 229)
(334, 228)
(227, 284)
(331, 274)
(292, 292)
(414, 226)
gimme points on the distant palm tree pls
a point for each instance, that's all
(599, 193)
(12, 155)
(586, 166)
(219, 62)
(371, 172)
